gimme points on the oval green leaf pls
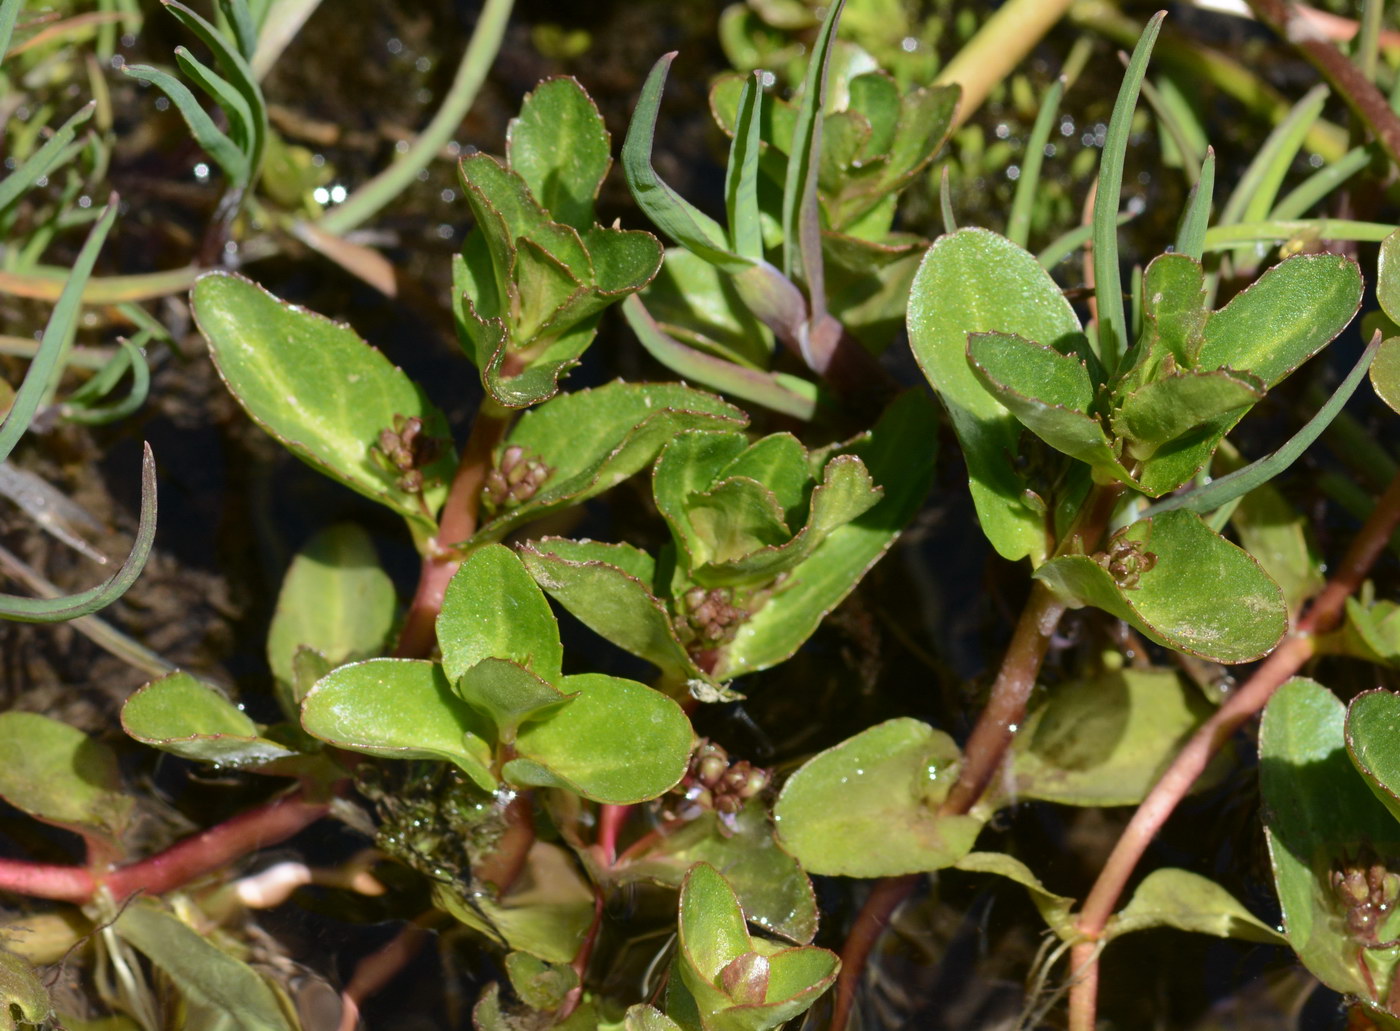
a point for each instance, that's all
(180, 715)
(1373, 743)
(493, 609)
(58, 774)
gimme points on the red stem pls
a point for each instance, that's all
(1324, 614)
(885, 897)
(376, 970)
(181, 863)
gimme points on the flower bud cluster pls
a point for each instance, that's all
(714, 782)
(709, 618)
(515, 479)
(1368, 891)
(406, 449)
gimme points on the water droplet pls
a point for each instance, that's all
(909, 44)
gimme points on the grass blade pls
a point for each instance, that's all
(9, 12)
(1258, 188)
(224, 152)
(45, 365)
(1067, 243)
(1240, 482)
(1321, 183)
(802, 243)
(1108, 281)
(241, 20)
(57, 610)
(79, 407)
(1167, 117)
(1195, 220)
(1018, 226)
(945, 203)
(43, 160)
(219, 90)
(1221, 238)
(684, 223)
(741, 177)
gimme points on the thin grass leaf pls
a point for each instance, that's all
(220, 91)
(802, 244)
(1222, 237)
(1018, 226)
(1195, 220)
(741, 177)
(45, 365)
(224, 152)
(684, 223)
(1321, 183)
(83, 411)
(1258, 187)
(44, 160)
(945, 203)
(1191, 155)
(57, 610)
(1366, 46)
(1108, 281)
(751, 385)
(1240, 482)
(241, 21)
(235, 68)
(1060, 248)
(9, 12)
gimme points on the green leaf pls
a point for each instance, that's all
(1289, 314)
(508, 693)
(58, 774)
(1276, 534)
(1104, 741)
(617, 741)
(1054, 909)
(698, 304)
(1189, 902)
(559, 145)
(209, 978)
(178, 714)
(1320, 818)
(1049, 392)
(1385, 373)
(648, 1018)
(321, 390)
(1018, 222)
(883, 785)
(335, 600)
(1201, 594)
(399, 709)
(20, 987)
(608, 587)
(899, 454)
(1387, 276)
(1195, 219)
(540, 984)
(45, 158)
(1372, 720)
(494, 609)
(680, 220)
(974, 281)
(591, 440)
(227, 154)
(769, 882)
(1168, 407)
(741, 177)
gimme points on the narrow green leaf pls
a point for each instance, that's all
(493, 609)
(1319, 814)
(1195, 219)
(55, 610)
(741, 176)
(399, 709)
(802, 257)
(218, 89)
(1018, 226)
(79, 406)
(9, 12)
(226, 154)
(45, 367)
(43, 160)
(210, 979)
(1323, 183)
(1054, 909)
(1108, 283)
(58, 774)
(180, 715)
(1198, 593)
(885, 785)
(334, 599)
(321, 390)
(945, 203)
(1224, 489)
(617, 741)
(974, 281)
(241, 21)
(559, 145)
(1189, 902)
(1257, 188)
(672, 214)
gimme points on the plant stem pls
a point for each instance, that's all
(181, 863)
(1191, 761)
(998, 47)
(457, 524)
(379, 968)
(481, 52)
(885, 897)
(1359, 93)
